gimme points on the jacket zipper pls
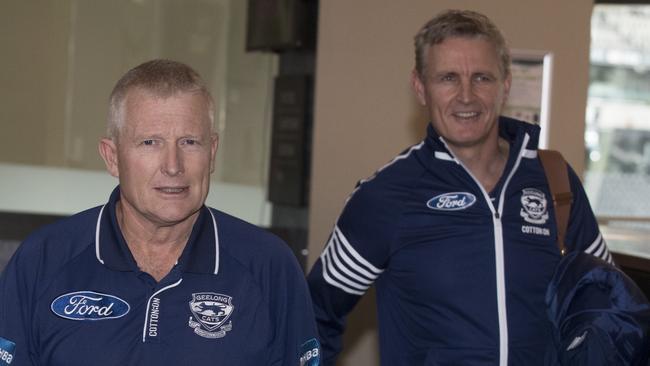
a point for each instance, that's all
(497, 213)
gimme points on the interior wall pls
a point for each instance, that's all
(31, 99)
(365, 112)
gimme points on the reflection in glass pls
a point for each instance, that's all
(60, 61)
(617, 136)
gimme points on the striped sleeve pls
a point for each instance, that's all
(354, 258)
(583, 231)
(359, 247)
(345, 268)
(340, 277)
(598, 248)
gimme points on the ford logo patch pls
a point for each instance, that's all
(452, 201)
(89, 305)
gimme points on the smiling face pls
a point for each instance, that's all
(163, 156)
(464, 91)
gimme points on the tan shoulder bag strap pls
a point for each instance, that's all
(557, 175)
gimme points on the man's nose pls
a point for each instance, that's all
(172, 164)
(466, 91)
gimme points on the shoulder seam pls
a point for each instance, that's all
(391, 162)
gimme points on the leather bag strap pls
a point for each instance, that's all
(557, 175)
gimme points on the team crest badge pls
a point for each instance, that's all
(534, 206)
(210, 312)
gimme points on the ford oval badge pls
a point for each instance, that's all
(89, 305)
(452, 201)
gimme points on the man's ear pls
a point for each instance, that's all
(418, 87)
(214, 146)
(108, 151)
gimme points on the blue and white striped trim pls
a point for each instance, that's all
(214, 225)
(147, 321)
(443, 156)
(345, 268)
(599, 249)
(99, 220)
(216, 242)
(529, 154)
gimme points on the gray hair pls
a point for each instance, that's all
(459, 23)
(163, 78)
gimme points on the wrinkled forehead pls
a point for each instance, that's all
(140, 93)
(457, 51)
(143, 108)
(162, 94)
(477, 49)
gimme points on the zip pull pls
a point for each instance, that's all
(497, 216)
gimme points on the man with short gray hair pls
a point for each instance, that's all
(154, 277)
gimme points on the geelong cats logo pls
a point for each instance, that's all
(211, 311)
(534, 206)
(89, 305)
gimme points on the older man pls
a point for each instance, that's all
(457, 233)
(154, 277)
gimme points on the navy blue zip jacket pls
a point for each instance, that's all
(460, 273)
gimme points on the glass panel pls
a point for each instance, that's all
(617, 135)
(61, 59)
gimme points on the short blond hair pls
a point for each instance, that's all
(160, 77)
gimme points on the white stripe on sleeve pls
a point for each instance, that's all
(599, 249)
(345, 268)
(594, 246)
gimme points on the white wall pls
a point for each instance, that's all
(65, 191)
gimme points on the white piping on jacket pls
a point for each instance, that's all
(498, 248)
(146, 315)
(393, 161)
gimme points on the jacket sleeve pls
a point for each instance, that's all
(583, 232)
(16, 308)
(356, 254)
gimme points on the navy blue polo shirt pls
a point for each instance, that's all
(73, 295)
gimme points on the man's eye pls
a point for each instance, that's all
(448, 77)
(190, 142)
(148, 142)
(482, 78)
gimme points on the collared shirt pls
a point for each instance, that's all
(74, 295)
